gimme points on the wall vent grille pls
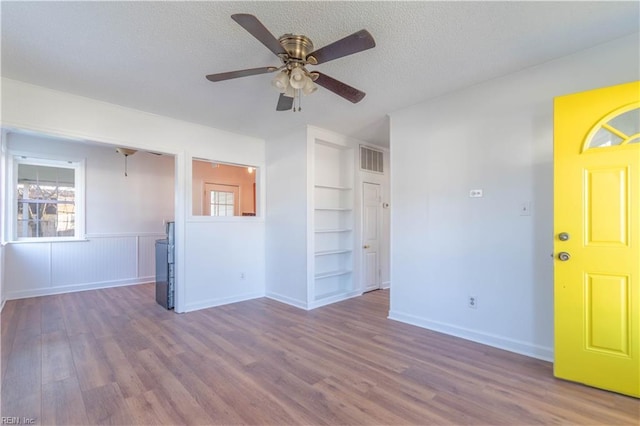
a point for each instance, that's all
(371, 160)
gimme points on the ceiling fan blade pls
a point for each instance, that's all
(339, 88)
(259, 31)
(241, 73)
(356, 42)
(285, 103)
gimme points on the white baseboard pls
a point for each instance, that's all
(500, 342)
(334, 299)
(23, 294)
(2, 305)
(211, 303)
(287, 300)
(385, 285)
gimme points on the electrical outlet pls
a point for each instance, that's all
(473, 302)
(475, 193)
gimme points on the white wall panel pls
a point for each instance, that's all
(35, 269)
(147, 254)
(224, 262)
(28, 267)
(96, 260)
(286, 232)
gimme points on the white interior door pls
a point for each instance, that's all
(371, 220)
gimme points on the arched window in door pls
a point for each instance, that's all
(620, 127)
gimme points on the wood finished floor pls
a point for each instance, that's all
(114, 356)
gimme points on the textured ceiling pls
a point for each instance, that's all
(154, 56)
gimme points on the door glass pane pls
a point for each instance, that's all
(628, 122)
(603, 137)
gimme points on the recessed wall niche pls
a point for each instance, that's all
(221, 189)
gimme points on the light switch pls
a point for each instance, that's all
(475, 193)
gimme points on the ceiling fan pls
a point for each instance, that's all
(295, 53)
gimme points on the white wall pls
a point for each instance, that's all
(124, 217)
(55, 113)
(221, 266)
(496, 136)
(286, 232)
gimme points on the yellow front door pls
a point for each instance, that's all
(597, 238)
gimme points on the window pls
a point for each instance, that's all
(621, 127)
(47, 199)
(223, 200)
(221, 203)
(220, 189)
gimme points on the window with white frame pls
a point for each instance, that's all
(47, 199)
(222, 200)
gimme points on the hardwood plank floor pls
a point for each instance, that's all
(114, 356)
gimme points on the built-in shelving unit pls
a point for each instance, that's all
(333, 215)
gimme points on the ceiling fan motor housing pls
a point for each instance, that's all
(297, 46)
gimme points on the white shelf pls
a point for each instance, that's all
(330, 252)
(334, 223)
(339, 188)
(324, 231)
(332, 274)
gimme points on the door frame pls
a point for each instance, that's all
(382, 179)
(361, 237)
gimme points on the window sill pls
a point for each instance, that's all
(215, 219)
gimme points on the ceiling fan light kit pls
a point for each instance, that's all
(281, 81)
(296, 52)
(126, 152)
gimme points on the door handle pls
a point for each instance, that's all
(366, 246)
(564, 256)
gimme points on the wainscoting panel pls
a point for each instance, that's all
(37, 269)
(99, 259)
(147, 254)
(28, 267)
